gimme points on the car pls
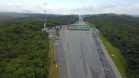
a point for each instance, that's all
(57, 38)
(98, 49)
(106, 75)
(54, 38)
(56, 43)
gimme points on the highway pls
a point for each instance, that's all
(80, 23)
(82, 55)
(79, 55)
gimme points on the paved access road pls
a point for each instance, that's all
(81, 54)
(52, 32)
(59, 55)
(61, 60)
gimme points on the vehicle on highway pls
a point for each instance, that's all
(98, 49)
(56, 43)
(57, 38)
(54, 38)
(106, 75)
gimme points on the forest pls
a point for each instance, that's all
(24, 47)
(122, 31)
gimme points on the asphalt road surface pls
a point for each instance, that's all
(82, 55)
(85, 58)
(79, 55)
(61, 60)
(80, 23)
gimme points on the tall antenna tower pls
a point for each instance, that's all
(45, 25)
(45, 20)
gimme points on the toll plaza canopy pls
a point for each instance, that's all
(69, 26)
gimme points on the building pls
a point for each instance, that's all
(58, 27)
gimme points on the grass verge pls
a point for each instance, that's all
(90, 24)
(118, 59)
(57, 32)
(52, 68)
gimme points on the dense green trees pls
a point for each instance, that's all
(11, 15)
(24, 47)
(23, 51)
(122, 31)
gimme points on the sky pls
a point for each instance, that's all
(130, 7)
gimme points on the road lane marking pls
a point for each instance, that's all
(89, 72)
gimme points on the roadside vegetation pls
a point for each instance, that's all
(57, 32)
(121, 31)
(52, 68)
(91, 25)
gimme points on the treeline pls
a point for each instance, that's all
(52, 20)
(62, 20)
(122, 31)
(11, 15)
(24, 47)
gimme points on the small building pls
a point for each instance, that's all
(58, 27)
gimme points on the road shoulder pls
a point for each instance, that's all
(109, 59)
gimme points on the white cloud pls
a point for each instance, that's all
(136, 5)
(119, 8)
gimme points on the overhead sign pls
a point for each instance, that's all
(69, 26)
(72, 26)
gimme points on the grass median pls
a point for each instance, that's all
(52, 68)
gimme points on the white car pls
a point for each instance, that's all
(56, 43)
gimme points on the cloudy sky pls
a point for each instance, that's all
(71, 6)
